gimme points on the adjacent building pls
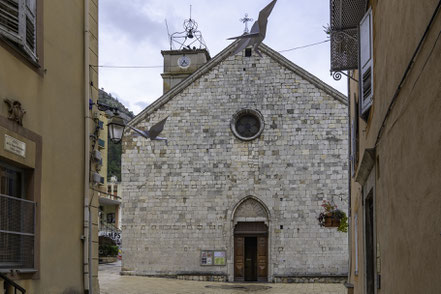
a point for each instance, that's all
(255, 144)
(47, 208)
(391, 51)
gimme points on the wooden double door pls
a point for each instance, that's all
(251, 258)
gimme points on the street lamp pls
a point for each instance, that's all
(116, 127)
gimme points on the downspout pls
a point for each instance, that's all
(87, 256)
(349, 184)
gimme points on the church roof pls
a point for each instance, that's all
(222, 56)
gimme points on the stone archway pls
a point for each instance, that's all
(250, 231)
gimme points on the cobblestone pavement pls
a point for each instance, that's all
(112, 283)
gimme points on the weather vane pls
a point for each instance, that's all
(245, 20)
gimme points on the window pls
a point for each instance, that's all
(18, 24)
(111, 218)
(17, 221)
(366, 63)
(247, 52)
(115, 189)
(247, 124)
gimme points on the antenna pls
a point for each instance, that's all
(168, 32)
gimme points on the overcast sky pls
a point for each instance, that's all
(133, 32)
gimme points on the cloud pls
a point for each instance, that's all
(128, 19)
(133, 32)
(142, 104)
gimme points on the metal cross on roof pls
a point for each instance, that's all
(245, 20)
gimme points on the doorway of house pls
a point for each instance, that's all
(251, 252)
(369, 245)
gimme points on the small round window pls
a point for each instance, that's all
(247, 124)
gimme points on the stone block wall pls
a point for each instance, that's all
(179, 199)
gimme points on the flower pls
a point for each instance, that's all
(332, 212)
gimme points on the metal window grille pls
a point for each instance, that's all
(345, 18)
(17, 233)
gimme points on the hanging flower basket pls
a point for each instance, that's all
(333, 217)
(331, 221)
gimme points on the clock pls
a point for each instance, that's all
(247, 124)
(184, 61)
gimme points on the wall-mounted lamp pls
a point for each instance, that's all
(116, 127)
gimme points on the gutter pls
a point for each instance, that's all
(87, 228)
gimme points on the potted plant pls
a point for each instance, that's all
(333, 217)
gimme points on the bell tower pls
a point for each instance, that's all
(187, 54)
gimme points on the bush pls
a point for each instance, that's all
(108, 250)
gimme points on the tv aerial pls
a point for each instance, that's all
(189, 39)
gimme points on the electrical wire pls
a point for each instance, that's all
(160, 66)
(127, 66)
(304, 46)
(407, 71)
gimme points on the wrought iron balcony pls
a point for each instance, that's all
(345, 18)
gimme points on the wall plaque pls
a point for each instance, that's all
(219, 257)
(212, 257)
(15, 146)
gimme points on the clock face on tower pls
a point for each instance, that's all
(184, 61)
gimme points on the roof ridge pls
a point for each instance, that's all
(222, 56)
(304, 73)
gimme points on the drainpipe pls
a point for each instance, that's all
(87, 227)
(349, 183)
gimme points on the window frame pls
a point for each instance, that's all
(23, 199)
(32, 182)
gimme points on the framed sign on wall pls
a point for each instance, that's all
(213, 257)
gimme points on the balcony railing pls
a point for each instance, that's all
(345, 18)
(17, 233)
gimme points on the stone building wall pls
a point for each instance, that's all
(179, 199)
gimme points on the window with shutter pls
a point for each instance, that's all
(18, 24)
(9, 19)
(366, 64)
(30, 15)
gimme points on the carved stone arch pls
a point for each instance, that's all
(250, 209)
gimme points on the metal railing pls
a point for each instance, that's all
(111, 231)
(8, 285)
(17, 233)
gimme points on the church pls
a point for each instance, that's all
(255, 144)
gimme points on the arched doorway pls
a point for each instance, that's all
(250, 241)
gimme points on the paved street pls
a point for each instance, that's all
(112, 283)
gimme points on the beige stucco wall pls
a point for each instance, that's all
(408, 169)
(54, 102)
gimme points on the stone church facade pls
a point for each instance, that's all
(255, 145)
